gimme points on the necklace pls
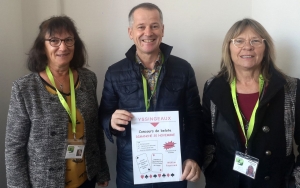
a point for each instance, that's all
(60, 84)
(246, 123)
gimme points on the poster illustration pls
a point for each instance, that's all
(156, 147)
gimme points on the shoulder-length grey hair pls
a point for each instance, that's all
(227, 67)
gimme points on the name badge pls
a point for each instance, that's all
(74, 152)
(245, 164)
(75, 149)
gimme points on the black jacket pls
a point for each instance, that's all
(271, 140)
(176, 91)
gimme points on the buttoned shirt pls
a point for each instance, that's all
(151, 76)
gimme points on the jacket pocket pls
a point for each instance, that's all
(174, 86)
(128, 95)
(173, 93)
(127, 89)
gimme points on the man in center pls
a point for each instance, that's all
(171, 86)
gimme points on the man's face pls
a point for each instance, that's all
(146, 31)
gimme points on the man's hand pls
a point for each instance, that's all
(103, 184)
(119, 119)
(191, 170)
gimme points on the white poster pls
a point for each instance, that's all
(156, 147)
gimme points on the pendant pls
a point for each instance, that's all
(246, 126)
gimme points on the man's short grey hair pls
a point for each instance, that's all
(148, 6)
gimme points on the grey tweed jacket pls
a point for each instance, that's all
(36, 132)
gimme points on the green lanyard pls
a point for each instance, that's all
(237, 109)
(72, 113)
(147, 101)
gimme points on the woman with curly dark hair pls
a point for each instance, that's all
(53, 113)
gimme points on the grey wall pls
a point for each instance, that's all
(195, 28)
(11, 63)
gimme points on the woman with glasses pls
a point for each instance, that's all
(53, 114)
(251, 113)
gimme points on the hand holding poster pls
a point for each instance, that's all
(156, 147)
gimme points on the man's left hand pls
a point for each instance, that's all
(191, 170)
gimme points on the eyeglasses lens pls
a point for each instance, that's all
(242, 42)
(55, 42)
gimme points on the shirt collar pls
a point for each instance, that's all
(157, 62)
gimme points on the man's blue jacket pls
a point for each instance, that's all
(176, 91)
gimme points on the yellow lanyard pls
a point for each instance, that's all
(71, 113)
(147, 100)
(237, 109)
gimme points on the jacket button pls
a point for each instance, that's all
(268, 152)
(53, 133)
(267, 178)
(266, 129)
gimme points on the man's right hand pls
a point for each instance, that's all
(119, 119)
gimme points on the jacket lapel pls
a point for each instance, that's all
(275, 84)
(220, 94)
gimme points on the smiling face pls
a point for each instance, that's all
(146, 31)
(247, 57)
(59, 56)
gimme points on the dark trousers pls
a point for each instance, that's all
(89, 184)
(177, 184)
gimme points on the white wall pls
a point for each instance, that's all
(281, 19)
(11, 63)
(195, 28)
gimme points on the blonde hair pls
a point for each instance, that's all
(227, 67)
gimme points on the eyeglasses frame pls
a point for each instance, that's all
(232, 40)
(61, 40)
